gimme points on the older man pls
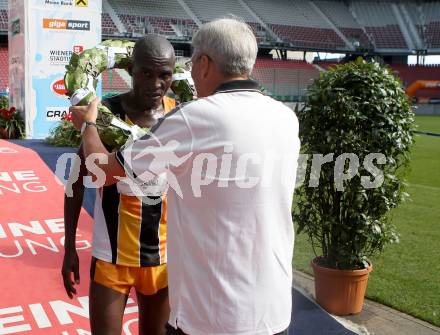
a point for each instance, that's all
(232, 156)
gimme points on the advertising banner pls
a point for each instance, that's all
(32, 297)
(54, 29)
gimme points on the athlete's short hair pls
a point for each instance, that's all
(152, 45)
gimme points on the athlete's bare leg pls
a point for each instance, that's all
(154, 311)
(106, 308)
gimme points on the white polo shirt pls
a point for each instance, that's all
(231, 162)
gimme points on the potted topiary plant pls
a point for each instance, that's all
(359, 116)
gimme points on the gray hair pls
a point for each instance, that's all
(230, 43)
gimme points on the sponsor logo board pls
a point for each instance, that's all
(58, 87)
(67, 3)
(62, 24)
(56, 113)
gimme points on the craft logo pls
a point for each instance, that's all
(56, 113)
(58, 87)
(61, 24)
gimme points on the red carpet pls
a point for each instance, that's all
(32, 296)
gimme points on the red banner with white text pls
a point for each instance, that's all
(32, 296)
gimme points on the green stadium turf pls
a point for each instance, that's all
(406, 276)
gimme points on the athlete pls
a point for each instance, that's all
(129, 234)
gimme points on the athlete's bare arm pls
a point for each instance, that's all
(72, 209)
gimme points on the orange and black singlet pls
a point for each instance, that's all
(127, 231)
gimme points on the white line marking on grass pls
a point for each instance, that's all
(432, 188)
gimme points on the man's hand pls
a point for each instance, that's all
(82, 114)
(70, 264)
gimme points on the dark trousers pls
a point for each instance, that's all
(172, 331)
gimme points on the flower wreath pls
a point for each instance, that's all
(81, 79)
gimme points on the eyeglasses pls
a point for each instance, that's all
(188, 65)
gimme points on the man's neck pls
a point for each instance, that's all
(138, 109)
(222, 79)
(232, 78)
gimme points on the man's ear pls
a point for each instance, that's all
(205, 65)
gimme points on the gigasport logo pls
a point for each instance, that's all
(62, 24)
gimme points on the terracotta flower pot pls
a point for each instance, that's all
(340, 292)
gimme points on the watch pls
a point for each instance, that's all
(85, 124)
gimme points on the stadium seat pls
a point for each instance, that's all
(338, 12)
(411, 73)
(380, 23)
(108, 26)
(286, 78)
(112, 82)
(3, 20)
(299, 24)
